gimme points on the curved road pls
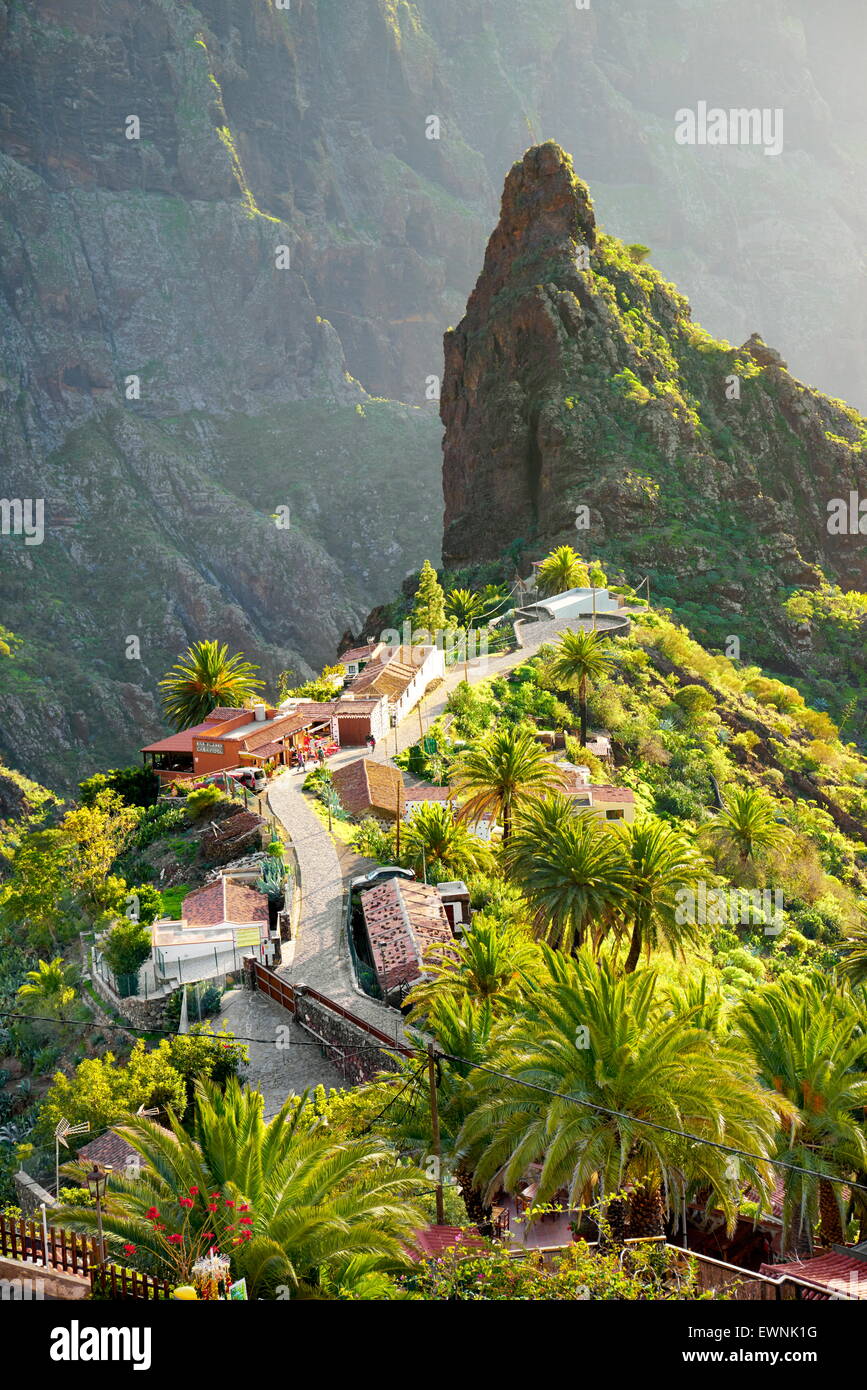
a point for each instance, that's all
(319, 956)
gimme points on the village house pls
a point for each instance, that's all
(400, 674)
(370, 789)
(262, 735)
(401, 920)
(356, 658)
(574, 603)
(413, 797)
(605, 802)
(220, 924)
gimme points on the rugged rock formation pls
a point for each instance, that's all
(587, 397)
(314, 128)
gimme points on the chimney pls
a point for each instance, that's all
(259, 713)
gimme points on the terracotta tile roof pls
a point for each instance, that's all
(603, 794)
(108, 1149)
(359, 653)
(391, 679)
(429, 794)
(392, 672)
(402, 919)
(365, 786)
(431, 1241)
(267, 750)
(837, 1273)
(181, 742)
(224, 900)
(314, 711)
(222, 712)
(346, 707)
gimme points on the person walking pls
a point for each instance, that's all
(320, 753)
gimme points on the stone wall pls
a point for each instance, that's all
(352, 1049)
(21, 1281)
(29, 1196)
(140, 1013)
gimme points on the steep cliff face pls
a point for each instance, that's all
(365, 137)
(168, 385)
(584, 405)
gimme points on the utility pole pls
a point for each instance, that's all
(435, 1129)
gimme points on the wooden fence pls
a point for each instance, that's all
(71, 1252)
(280, 990)
(115, 1282)
(268, 982)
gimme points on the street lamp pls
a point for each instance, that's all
(97, 1181)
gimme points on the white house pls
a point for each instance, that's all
(221, 923)
(402, 674)
(575, 603)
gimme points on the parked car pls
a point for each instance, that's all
(253, 778)
(381, 875)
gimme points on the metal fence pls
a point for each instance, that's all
(154, 981)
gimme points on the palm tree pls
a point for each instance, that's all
(579, 658)
(601, 1053)
(571, 869)
(439, 845)
(748, 826)
(48, 988)
(854, 949)
(659, 862)
(810, 1044)
(463, 607)
(502, 773)
(205, 677)
(488, 964)
(312, 1202)
(562, 569)
(462, 1030)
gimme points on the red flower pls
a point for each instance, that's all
(207, 1235)
(152, 1213)
(213, 1206)
(244, 1207)
(229, 1203)
(194, 1192)
(175, 1239)
(245, 1221)
(186, 1201)
(129, 1249)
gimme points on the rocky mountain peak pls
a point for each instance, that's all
(582, 404)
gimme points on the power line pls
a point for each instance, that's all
(493, 1071)
(173, 1033)
(653, 1124)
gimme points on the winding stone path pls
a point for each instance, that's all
(319, 956)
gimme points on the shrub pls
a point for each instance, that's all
(369, 838)
(126, 948)
(201, 801)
